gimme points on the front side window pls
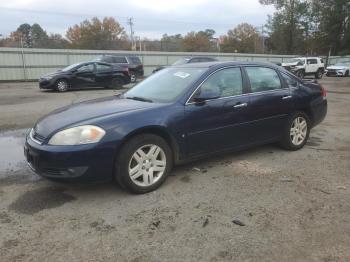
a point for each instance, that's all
(86, 68)
(263, 79)
(102, 67)
(226, 82)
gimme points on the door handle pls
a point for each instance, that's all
(240, 105)
(286, 97)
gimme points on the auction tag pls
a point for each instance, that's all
(182, 74)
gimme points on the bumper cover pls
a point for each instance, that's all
(71, 163)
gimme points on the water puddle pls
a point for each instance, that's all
(11, 152)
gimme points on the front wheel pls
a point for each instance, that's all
(300, 74)
(319, 74)
(296, 132)
(62, 85)
(143, 164)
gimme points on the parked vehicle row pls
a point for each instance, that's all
(179, 114)
(86, 74)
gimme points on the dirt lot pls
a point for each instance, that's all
(293, 206)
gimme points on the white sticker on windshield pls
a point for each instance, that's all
(182, 74)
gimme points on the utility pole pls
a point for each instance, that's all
(130, 22)
(263, 39)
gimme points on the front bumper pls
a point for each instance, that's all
(94, 162)
(335, 73)
(46, 84)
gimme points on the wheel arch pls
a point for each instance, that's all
(154, 130)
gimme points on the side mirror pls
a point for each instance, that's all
(206, 94)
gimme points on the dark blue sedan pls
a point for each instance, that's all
(176, 115)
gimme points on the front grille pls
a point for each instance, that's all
(331, 70)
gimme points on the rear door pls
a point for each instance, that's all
(84, 76)
(220, 123)
(270, 103)
(103, 75)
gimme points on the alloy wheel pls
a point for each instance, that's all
(62, 86)
(147, 165)
(298, 131)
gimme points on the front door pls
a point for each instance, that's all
(219, 123)
(85, 76)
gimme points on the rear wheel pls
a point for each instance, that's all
(133, 78)
(143, 164)
(300, 74)
(62, 85)
(116, 83)
(296, 132)
(319, 74)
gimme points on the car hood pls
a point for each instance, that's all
(85, 111)
(290, 64)
(53, 74)
(337, 67)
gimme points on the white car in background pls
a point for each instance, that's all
(339, 69)
(305, 66)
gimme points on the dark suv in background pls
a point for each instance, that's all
(133, 63)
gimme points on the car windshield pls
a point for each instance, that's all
(182, 61)
(68, 68)
(165, 86)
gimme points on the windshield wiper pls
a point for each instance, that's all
(139, 99)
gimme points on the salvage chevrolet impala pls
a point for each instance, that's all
(176, 115)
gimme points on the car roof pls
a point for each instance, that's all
(226, 63)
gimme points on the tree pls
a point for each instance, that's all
(333, 25)
(39, 37)
(196, 42)
(288, 25)
(171, 43)
(23, 34)
(244, 38)
(97, 34)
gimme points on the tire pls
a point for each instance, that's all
(116, 83)
(300, 74)
(62, 85)
(296, 138)
(318, 74)
(347, 73)
(134, 168)
(133, 78)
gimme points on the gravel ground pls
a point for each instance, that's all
(262, 204)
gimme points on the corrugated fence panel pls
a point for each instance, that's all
(30, 64)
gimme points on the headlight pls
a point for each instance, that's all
(79, 135)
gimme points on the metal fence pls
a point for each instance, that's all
(29, 63)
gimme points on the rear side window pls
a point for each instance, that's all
(263, 79)
(226, 82)
(119, 60)
(107, 59)
(291, 81)
(134, 60)
(312, 61)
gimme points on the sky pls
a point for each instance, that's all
(152, 18)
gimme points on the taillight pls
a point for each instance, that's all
(324, 92)
(126, 70)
